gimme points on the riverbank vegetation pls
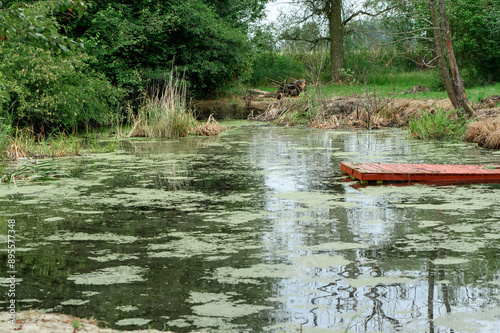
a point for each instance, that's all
(52, 88)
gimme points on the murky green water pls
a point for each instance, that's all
(257, 231)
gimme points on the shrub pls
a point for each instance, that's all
(437, 125)
(5, 134)
(48, 91)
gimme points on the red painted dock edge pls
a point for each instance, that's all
(389, 172)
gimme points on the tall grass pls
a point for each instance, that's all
(165, 112)
(438, 125)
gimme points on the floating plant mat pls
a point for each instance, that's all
(256, 230)
(110, 275)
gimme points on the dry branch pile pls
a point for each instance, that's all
(286, 88)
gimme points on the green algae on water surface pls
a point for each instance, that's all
(75, 302)
(133, 322)
(320, 261)
(110, 275)
(221, 305)
(254, 274)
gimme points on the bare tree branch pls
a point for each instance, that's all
(362, 12)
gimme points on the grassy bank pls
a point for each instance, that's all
(400, 85)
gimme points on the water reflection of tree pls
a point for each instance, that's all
(431, 280)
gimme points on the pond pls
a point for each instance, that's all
(258, 231)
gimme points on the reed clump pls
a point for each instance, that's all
(165, 112)
(486, 133)
(438, 125)
(24, 143)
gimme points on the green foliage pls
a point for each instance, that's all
(49, 91)
(77, 325)
(438, 125)
(211, 52)
(33, 21)
(372, 62)
(476, 36)
(135, 43)
(380, 66)
(5, 134)
(274, 65)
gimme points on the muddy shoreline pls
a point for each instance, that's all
(36, 322)
(401, 109)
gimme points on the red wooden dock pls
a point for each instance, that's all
(390, 172)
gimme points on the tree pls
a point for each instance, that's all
(43, 88)
(137, 42)
(475, 25)
(429, 22)
(337, 15)
(454, 85)
(14, 20)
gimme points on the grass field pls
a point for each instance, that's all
(395, 86)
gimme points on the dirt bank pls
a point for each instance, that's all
(33, 321)
(355, 110)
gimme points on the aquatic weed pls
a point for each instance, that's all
(437, 125)
(32, 172)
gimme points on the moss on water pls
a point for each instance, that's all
(450, 261)
(321, 261)
(133, 322)
(114, 257)
(254, 274)
(81, 236)
(221, 305)
(75, 302)
(171, 227)
(127, 308)
(110, 275)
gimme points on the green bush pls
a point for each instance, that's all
(50, 91)
(135, 42)
(5, 134)
(476, 39)
(438, 125)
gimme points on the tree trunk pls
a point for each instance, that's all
(454, 88)
(457, 79)
(336, 38)
(439, 47)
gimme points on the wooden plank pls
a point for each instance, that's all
(381, 172)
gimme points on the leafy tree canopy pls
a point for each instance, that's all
(136, 42)
(14, 20)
